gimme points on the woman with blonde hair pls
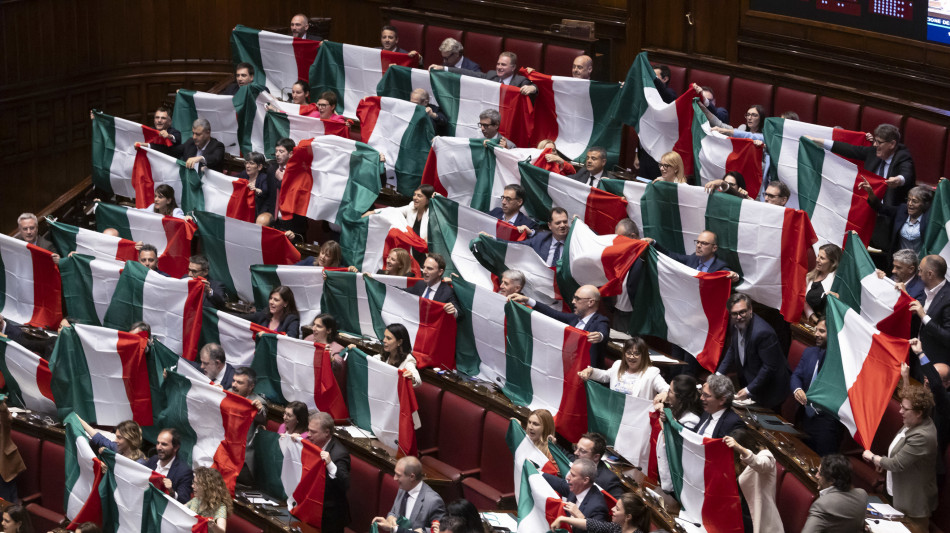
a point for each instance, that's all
(671, 168)
(631, 374)
(539, 429)
(211, 498)
(128, 439)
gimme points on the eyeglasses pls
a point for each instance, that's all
(878, 142)
(323, 105)
(751, 115)
(665, 166)
(704, 243)
(770, 196)
(483, 126)
(740, 314)
(508, 199)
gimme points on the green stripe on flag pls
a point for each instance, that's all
(327, 72)
(246, 48)
(447, 87)
(63, 236)
(722, 218)
(103, 149)
(652, 321)
(15, 395)
(76, 274)
(357, 385)
(467, 360)
(936, 238)
(396, 83)
(603, 407)
(175, 413)
(353, 237)
(363, 187)
(773, 131)
(113, 216)
(519, 342)
(160, 358)
(209, 326)
(339, 300)
(72, 388)
(413, 152)
(265, 364)
(126, 306)
(853, 267)
(276, 127)
(211, 229)
(829, 388)
(192, 195)
(631, 102)
(268, 463)
(74, 431)
(490, 253)
(245, 107)
(443, 230)
(186, 113)
(674, 450)
(264, 278)
(698, 134)
(811, 159)
(563, 276)
(604, 98)
(537, 201)
(660, 209)
(484, 162)
(376, 294)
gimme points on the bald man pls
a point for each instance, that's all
(420, 97)
(582, 67)
(415, 500)
(300, 28)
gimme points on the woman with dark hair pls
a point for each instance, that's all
(260, 179)
(128, 439)
(326, 331)
(211, 497)
(755, 471)
(330, 256)
(397, 351)
(553, 161)
(682, 398)
(909, 218)
(465, 511)
(630, 515)
(300, 93)
(165, 203)
(820, 280)
(325, 107)
(296, 419)
(16, 520)
(631, 374)
(281, 313)
(417, 215)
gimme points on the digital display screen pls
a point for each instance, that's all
(902, 18)
(938, 21)
(848, 7)
(899, 9)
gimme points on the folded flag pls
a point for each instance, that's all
(171, 236)
(279, 60)
(877, 300)
(218, 193)
(937, 238)
(861, 368)
(171, 306)
(291, 469)
(113, 151)
(297, 370)
(704, 478)
(543, 359)
(345, 298)
(306, 282)
(599, 260)
(290, 124)
(218, 109)
(83, 475)
(684, 306)
(498, 256)
(152, 168)
(538, 503)
(232, 246)
(26, 378)
(577, 114)
(828, 189)
(715, 154)
(624, 421)
(367, 241)
(783, 136)
(30, 288)
(402, 132)
(480, 341)
(330, 178)
(352, 72)
(69, 239)
(101, 375)
(453, 226)
(380, 399)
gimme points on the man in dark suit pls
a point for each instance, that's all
(593, 170)
(336, 508)
(432, 286)
(550, 244)
(211, 360)
(11, 330)
(243, 75)
(148, 256)
(178, 474)
(451, 51)
(415, 501)
(163, 123)
(201, 148)
(840, 506)
(593, 446)
(580, 491)
(755, 355)
(300, 28)
(439, 121)
(705, 259)
(585, 316)
(821, 427)
(506, 73)
(29, 231)
(662, 83)
(718, 418)
(215, 293)
(623, 304)
(904, 269)
(512, 198)
(934, 311)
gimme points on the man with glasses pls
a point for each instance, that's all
(776, 193)
(593, 170)
(452, 56)
(718, 419)
(512, 198)
(755, 355)
(488, 122)
(704, 260)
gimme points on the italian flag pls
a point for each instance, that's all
(218, 193)
(625, 422)
(305, 281)
(715, 154)
(599, 260)
(171, 306)
(26, 378)
(877, 300)
(399, 82)
(661, 127)
(290, 124)
(497, 256)
(381, 400)
(577, 114)
(471, 173)
(366, 242)
(113, 151)
(171, 236)
(297, 370)
(684, 306)
(538, 503)
(291, 469)
(783, 136)
(347, 300)
(101, 375)
(352, 72)
(545, 190)
(828, 189)
(88, 286)
(862, 366)
(543, 359)
(30, 288)
(151, 169)
(235, 335)
(330, 178)
(704, 478)
(633, 191)
(250, 105)
(525, 452)
(279, 60)
(453, 226)
(69, 239)
(83, 475)
(480, 341)
(937, 238)
(213, 424)
(402, 132)
(218, 109)
(232, 246)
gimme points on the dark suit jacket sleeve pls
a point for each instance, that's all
(559, 485)
(214, 155)
(594, 505)
(728, 359)
(218, 296)
(291, 325)
(681, 258)
(450, 298)
(799, 376)
(182, 485)
(727, 422)
(939, 324)
(525, 220)
(600, 324)
(772, 360)
(853, 152)
(609, 482)
(561, 316)
(341, 458)
(941, 396)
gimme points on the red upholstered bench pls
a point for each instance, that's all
(833, 112)
(678, 80)
(429, 398)
(434, 37)
(460, 422)
(926, 142)
(364, 493)
(794, 499)
(410, 34)
(483, 49)
(495, 481)
(529, 53)
(744, 94)
(871, 117)
(798, 101)
(558, 60)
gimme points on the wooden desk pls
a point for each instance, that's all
(788, 449)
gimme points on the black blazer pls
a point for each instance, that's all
(727, 422)
(336, 510)
(606, 479)
(226, 380)
(440, 121)
(597, 322)
(902, 164)
(214, 153)
(593, 505)
(898, 215)
(935, 335)
(180, 475)
(445, 294)
(584, 175)
(289, 325)
(541, 243)
(521, 219)
(692, 260)
(765, 372)
(266, 201)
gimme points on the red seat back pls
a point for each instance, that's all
(800, 102)
(364, 493)
(461, 422)
(794, 500)
(795, 351)
(779, 476)
(496, 457)
(678, 79)
(429, 398)
(434, 37)
(529, 53)
(745, 94)
(871, 117)
(926, 142)
(52, 476)
(558, 60)
(483, 49)
(387, 494)
(719, 83)
(28, 482)
(833, 112)
(410, 34)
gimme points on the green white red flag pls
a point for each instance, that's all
(235, 335)
(67, 239)
(83, 475)
(113, 151)
(347, 300)
(279, 60)
(366, 242)
(171, 236)
(290, 124)
(480, 341)
(546, 190)
(291, 469)
(599, 260)
(625, 422)
(218, 193)
(381, 400)
(219, 111)
(26, 378)
(715, 154)
(306, 282)
(783, 137)
(402, 132)
(497, 256)
(352, 72)
(30, 288)
(937, 238)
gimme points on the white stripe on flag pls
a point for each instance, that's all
(833, 206)
(295, 365)
(714, 152)
(539, 277)
(383, 391)
(488, 326)
(279, 61)
(147, 228)
(419, 78)
(19, 295)
(217, 189)
(400, 306)
(692, 201)
(633, 435)
(96, 244)
(362, 304)
(878, 297)
(82, 488)
(507, 171)
(659, 125)
(854, 342)
(236, 338)
(547, 365)
(105, 277)
(394, 117)
(243, 250)
(694, 476)
(132, 482)
(219, 110)
(257, 127)
(307, 284)
(22, 364)
(475, 95)
(127, 133)
(110, 400)
(200, 399)
(760, 252)
(792, 131)
(378, 230)
(292, 467)
(683, 313)
(455, 168)
(163, 306)
(363, 68)
(331, 172)
(575, 115)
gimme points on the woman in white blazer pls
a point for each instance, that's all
(631, 374)
(417, 215)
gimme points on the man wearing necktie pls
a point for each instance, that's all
(550, 245)
(579, 489)
(506, 73)
(593, 170)
(705, 259)
(433, 288)
(415, 501)
(212, 361)
(202, 149)
(822, 429)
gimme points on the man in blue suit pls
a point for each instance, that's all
(755, 355)
(433, 288)
(822, 428)
(705, 259)
(178, 474)
(579, 490)
(904, 264)
(550, 245)
(451, 51)
(512, 198)
(212, 362)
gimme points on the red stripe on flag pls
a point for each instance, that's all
(553, 508)
(517, 112)
(684, 115)
(797, 239)
(237, 415)
(191, 321)
(332, 127)
(44, 379)
(305, 52)
(714, 289)
(898, 322)
(201, 526)
(126, 251)
(387, 58)
(861, 216)
(178, 235)
(241, 203)
(653, 468)
(508, 232)
(47, 289)
(151, 135)
(298, 182)
(616, 260)
(722, 508)
(156, 480)
(276, 248)
(545, 108)
(368, 113)
(407, 406)
(746, 159)
(326, 394)
(142, 181)
(91, 510)
(309, 493)
(870, 392)
(405, 239)
(434, 344)
(131, 349)
(604, 210)
(571, 419)
(430, 174)
(564, 169)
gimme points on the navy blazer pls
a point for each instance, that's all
(336, 510)
(440, 121)
(812, 357)
(289, 325)
(468, 64)
(724, 426)
(692, 260)
(521, 219)
(606, 479)
(180, 475)
(584, 176)
(765, 372)
(541, 244)
(214, 153)
(597, 322)
(445, 294)
(218, 296)
(266, 200)
(935, 335)
(915, 288)
(902, 164)
(898, 215)
(226, 380)
(593, 505)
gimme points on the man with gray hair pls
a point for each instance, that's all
(451, 51)
(505, 73)
(512, 282)
(489, 121)
(580, 491)
(415, 501)
(336, 509)
(904, 265)
(29, 232)
(718, 418)
(202, 149)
